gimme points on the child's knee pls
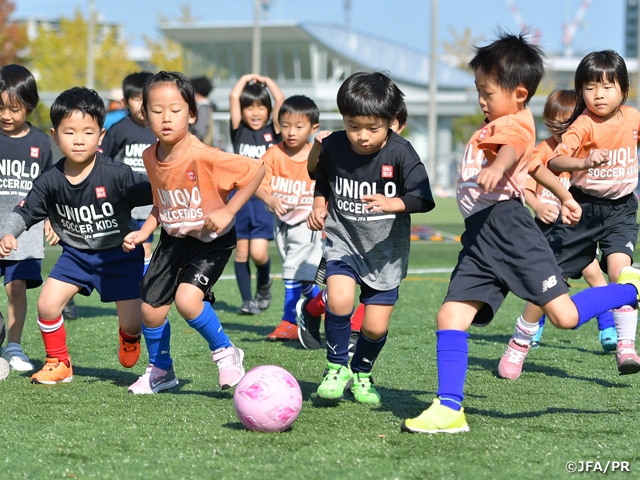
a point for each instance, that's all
(339, 302)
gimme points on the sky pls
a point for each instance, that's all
(406, 22)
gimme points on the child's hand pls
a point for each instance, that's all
(8, 243)
(570, 212)
(316, 218)
(321, 135)
(546, 213)
(218, 220)
(489, 177)
(596, 158)
(51, 236)
(132, 240)
(379, 203)
(275, 205)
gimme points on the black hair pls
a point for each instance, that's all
(202, 85)
(133, 84)
(181, 82)
(254, 92)
(77, 99)
(300, 105)
(512, 62)
(402, 115)
(20, 86)
(369, 95)
(598, 67)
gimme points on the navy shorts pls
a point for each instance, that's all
(503, 251)
(368, 295)
(606, 224)
(27, 270)
(114, 273)
(185, 260)
(254, 221)
(140, 223)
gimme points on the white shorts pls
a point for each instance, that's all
(300, 249)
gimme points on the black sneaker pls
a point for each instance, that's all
(70, 312)
(249, 307)
(263, 296)
(353, 339)
(308, 326)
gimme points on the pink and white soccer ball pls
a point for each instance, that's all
(268, 399)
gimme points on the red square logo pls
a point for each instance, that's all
(101, 192)
(268, 137)
(35, 152)
(483, 134)
(387, 171)
(22, 202)
(635, 134)
(191, 175)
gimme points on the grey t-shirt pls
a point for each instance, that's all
(375, 245)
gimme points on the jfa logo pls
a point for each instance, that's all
(101, 192)
(483, 134)
(35, 152)
(268, 137)
(191, 175)
(387, 171)
(635, 134)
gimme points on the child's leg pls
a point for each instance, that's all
(130, 328)
(16, 316)
(527, 326)
(594, 277)
(259, 251)
(147, 255)
(242, 269)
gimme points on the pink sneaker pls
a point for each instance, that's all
(154, 380)
(229, 361)
(628, 360)
(510, 366)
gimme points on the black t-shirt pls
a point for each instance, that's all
(254, 143)
(125, 141)
(94, 214)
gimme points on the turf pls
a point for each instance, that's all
(569, 405)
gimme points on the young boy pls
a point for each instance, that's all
(290, 200)
(372, 180)
(502, 249)
(128, 138)
(88, 200)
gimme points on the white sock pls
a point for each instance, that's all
(525, 332)
(626, 320)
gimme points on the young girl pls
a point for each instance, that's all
(191, 183)
(252, 134)
(598, 147)
(27, 152)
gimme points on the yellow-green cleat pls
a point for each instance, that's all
(437, 419)
(630, 276)
(337, 379)
(363, 390)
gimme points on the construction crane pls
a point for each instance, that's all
(520, 21)
(571, 28)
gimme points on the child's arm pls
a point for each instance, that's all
(315, 221)
(234, 99)
(312, 160)
(545, 212)
(566, 163)
(278, 99)
(138, 237)
(570, 211)
(273, 203)
(489, 177)
(219, 219)
(50, 235)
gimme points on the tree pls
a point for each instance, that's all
(13, 37)
(459, 50)
(59, 57)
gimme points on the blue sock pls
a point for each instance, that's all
(605, 320)
(597, 300)
(337, 330)
(147, 261)
(208, 325)
(263, 277)
(310, 290)
(158, 342)
(243, 277)
(453, 359)
(292, 291)
(367, 351)
(542, 321)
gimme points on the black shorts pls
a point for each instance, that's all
(185, 260)
(606, 224)
(503, 251)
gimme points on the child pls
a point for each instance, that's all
(27, 153)
(290, 200)
(191, 183)
(373, 180)
(252, 134)
(203, 128)
(599, 148)
(309, 311)
(127, 139)
(88, 200)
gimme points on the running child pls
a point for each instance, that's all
(287, 190)
(502, 249)
(88, 199)
(26, 153)
(372, 180)
(252, 133)
(191, 185)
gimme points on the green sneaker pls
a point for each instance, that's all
(630, 276)
(363, 390)
(337, 379)
(437, 419)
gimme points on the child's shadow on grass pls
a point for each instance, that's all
(504, 339)
(119, 378)
(261, 330)
(89, 311)
(534, 414)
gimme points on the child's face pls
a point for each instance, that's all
(168, 114)
(255, 116)
(134, 105)
(13, 116)
(296, 130)
(602, 98)
(366, 134)
(78, 137)
(495, 101)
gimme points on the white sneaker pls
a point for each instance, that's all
(18, 361)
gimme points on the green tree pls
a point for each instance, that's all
(13, 37)
(464, 127)
(460, 48)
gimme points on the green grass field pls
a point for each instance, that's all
(569, 405)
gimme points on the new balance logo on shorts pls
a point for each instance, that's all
(630, 246)
(549, 283)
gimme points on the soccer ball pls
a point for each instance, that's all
(267, 399)
(4, 368)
